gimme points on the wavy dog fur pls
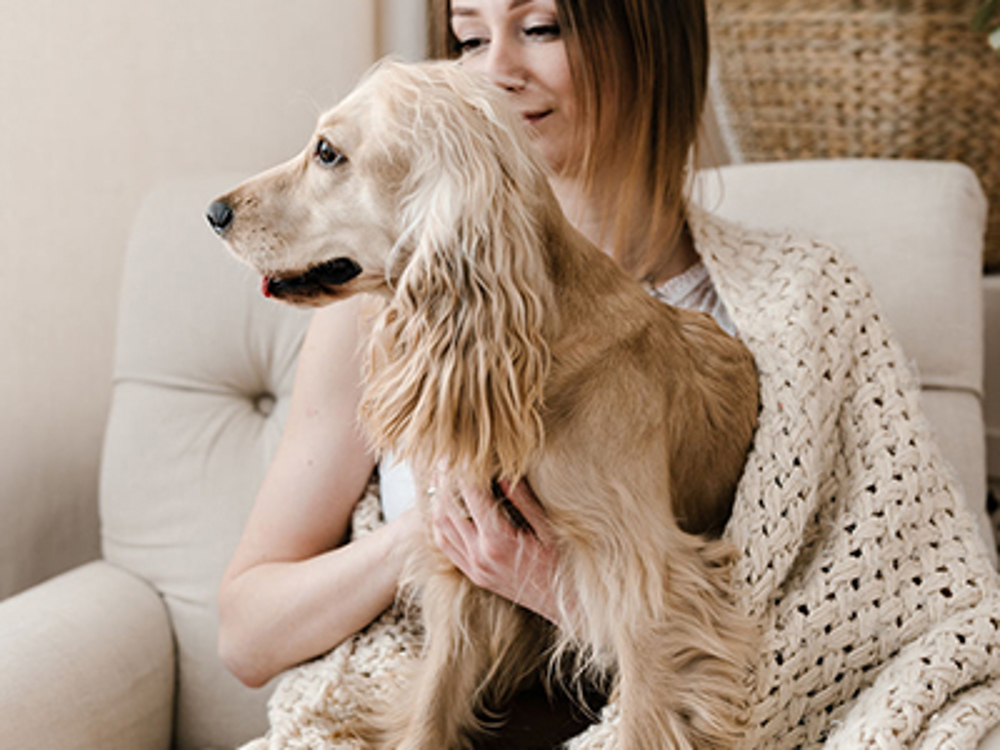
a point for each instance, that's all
(508, 346)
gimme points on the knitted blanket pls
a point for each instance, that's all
(880, 608)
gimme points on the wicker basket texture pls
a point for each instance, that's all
(902, 79)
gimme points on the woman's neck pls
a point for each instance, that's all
(588, 220)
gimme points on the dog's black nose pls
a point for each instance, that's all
(220, 216)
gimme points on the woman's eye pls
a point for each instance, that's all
(327, 154)
(543, 31)
(467, 45)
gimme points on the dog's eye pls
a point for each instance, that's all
(327, 154)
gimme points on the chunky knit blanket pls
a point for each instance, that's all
(880, 608)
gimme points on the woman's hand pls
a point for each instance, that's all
(514, 560)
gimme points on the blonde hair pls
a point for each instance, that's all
(640, 72)
(458, 360)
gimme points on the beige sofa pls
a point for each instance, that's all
(120, 653)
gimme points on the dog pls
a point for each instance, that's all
(506, 346)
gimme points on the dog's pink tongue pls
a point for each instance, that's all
(265, 286)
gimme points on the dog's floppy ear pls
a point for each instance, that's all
(458, 360)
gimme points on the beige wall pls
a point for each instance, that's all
(400, 26)
(99, 100)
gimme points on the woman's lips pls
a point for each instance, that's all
(533, 118)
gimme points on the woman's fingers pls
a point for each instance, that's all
(498, 530)
(526, 504)
(504, 509)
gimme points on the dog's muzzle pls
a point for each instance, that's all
(319, 281)
(220, 216)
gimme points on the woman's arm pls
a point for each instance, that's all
(293, 589)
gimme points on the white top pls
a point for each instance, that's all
(692, 289)
(397, 489)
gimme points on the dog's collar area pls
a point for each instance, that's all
(321, 279)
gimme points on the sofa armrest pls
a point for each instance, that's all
(87, 661)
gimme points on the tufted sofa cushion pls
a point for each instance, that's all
(203, 372)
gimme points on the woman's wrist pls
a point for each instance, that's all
(403, 532)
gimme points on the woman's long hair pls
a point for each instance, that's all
(640, 73)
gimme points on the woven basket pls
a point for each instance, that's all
(861, 78)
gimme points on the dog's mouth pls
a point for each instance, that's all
(322, 281)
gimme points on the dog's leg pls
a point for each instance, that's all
(480, 649)
(683, 677)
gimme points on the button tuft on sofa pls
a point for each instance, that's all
(264, 403)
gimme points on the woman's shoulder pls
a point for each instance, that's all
(738, 252)
(720, 239)
(765, 275)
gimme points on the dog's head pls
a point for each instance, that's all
(413, 155)
(420, 186)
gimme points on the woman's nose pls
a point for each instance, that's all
(505, 64)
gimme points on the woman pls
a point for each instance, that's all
(293, 588)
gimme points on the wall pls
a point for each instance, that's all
(98, 102)
(400, 28)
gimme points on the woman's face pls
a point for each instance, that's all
(518, 44)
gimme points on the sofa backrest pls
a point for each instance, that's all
(203, 372)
